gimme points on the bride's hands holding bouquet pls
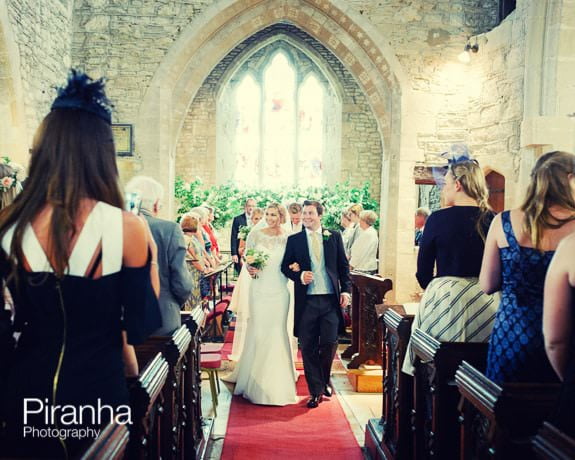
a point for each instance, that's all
(255, 260)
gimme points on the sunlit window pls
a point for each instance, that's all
(279, 136)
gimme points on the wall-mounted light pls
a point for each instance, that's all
(465, 55)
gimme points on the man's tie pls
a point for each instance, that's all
(315, 246)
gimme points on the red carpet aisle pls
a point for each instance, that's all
(289, 432)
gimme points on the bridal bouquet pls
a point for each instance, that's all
(243, 232)
(256, 259)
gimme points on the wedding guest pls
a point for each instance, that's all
(209, 229)
(354, 212)
(239, 221)
(203, 213)
(257, 215)
(195, 257)
(453, 307)
(295, 210)
(519, 248)
(175, 281)
(81, 270)
(346, 224)
(558, 330)
(364, 250)
(421, 215)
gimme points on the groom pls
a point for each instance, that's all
(315, 260)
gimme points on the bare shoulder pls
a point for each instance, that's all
(135, 240)
(567, 245)
(132, 223)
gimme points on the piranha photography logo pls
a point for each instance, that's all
(44, 420)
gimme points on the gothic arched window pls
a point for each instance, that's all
(279, 137)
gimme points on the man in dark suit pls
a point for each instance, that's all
(240, 221)
(175, 280)
(315, 260)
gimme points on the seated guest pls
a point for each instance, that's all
(295, 224)
(209, 229)
(203, 214)
(364, 249)
(354, 212)
(519, 248)
(558, 329)
(421, 215)
(83, 273)
(175, 281)
(453, 307)
(195, 257)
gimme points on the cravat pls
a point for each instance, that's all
(315, 246)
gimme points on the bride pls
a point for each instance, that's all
(265, 373)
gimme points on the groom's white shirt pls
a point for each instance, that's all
(321, 283)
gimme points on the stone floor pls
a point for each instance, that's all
(358, 408)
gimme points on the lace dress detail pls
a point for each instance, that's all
(516, 349)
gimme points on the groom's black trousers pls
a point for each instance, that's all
(318, 328)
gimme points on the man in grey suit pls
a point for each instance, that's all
(175, 279)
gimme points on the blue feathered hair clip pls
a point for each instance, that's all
(83, 93)
(457, 153)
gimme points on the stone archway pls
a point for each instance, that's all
(13, 134)
(350, 37)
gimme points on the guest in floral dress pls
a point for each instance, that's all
(195, 257)
(518, 251)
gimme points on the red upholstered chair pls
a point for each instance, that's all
(209, 347)
(214, 317)
(211, 363)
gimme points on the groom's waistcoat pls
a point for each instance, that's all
(321, 281)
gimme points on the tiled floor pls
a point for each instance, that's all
(358, 408)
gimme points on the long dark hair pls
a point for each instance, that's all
(73, 158)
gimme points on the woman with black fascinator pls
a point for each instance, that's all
(453, 307)
(83, 276)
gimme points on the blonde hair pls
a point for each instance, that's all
(281, 211)
(369, 217)
(190, 222)
(472, 181)
(355, 209)
(257, 212)
(294, 207)
(549, 186)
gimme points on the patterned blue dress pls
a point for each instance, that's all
(516, 348)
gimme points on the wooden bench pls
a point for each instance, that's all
(390, 436)
(366, 336)
(435, 415)
(498, 421)
(111, 444)
(552, 444)
(148, 407)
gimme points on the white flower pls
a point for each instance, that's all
(7, 181)
(326, 234)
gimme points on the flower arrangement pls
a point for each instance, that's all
(326, 234)
(12, 180)
(243, 232)
(256, 259)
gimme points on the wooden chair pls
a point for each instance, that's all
(552, 444)
(211, 363)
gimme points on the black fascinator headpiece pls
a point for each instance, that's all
(83, 93)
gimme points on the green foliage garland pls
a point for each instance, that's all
(228, 199)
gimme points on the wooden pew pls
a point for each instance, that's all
(435, 414)
(390, 436)
(498, 421)
(366, 336)
(552, 444)
(198, 429)
(148, 407)
(111, 444)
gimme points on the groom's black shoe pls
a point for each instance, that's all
(328, 391)
(314, 401)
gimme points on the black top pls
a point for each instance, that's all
(451, 240)
(70, 347)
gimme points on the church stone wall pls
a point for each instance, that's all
(42, 31)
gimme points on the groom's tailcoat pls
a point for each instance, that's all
(336, 264)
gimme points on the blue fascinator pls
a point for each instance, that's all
(457, 153)
(83, 93)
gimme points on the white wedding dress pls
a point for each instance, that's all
(266, 374)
